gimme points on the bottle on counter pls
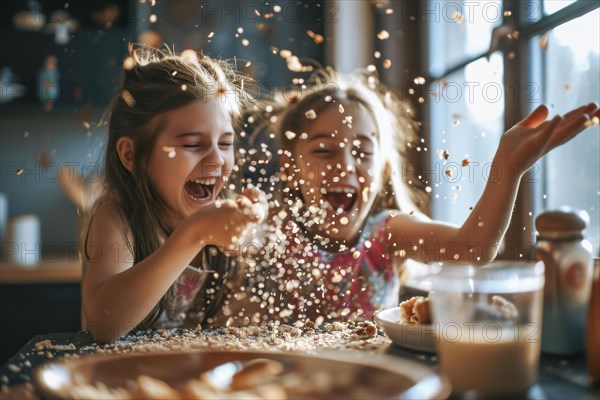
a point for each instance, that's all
(568, 259)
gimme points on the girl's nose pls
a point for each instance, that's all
(215, 159)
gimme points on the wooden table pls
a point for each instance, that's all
(559, 377)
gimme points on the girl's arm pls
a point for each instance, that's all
(118, 294)
(477, 240)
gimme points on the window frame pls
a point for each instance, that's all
(529, 20)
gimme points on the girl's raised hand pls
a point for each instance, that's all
(534, 136)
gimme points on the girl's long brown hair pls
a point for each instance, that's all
(152, 83)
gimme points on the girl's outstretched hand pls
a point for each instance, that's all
(533, 137)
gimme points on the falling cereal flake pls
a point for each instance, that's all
(174, 73)
(240, 30)
(387, 63)
(249, 63)
(152, 18)
(294, 64)
(448, 173)
(377, 54)
(368, 244)
(389, 11)
(456, 123)
(311, 114)
(210, 35)
(446, 155)
(128, 98)
(544, 41)
(567, 86)
(129, 64)
(428, 189)
(341, 108)
(317, 38)
(245, 42)
(86, 125)
(421, 100)
(371, 68)
(344, 220)
(595, 121)
(19, 171)
(507, 13)
(256, 12)
(290, 135)
(457, 17)
(356, 255)
(328, 99)
(419, 80)
(512, 55)
(285, 53)
(465, 162)
(189, 56)
(383, 35)
(480, 224)
(277, 8)
(184, 87)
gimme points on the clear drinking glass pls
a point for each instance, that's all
(488, 326)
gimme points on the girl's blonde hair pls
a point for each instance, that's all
(394, 119)
(153, 82)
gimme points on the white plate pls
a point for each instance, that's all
(411, 336)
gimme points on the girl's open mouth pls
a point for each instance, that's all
(341, 199)
(200, 189)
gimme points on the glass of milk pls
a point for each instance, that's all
(488, 326)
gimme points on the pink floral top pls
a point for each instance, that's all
(348, 284)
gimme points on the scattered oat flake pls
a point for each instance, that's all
(19, 171)
(465, 162)
(86, 125)
(594, 121)
(387, 63)
(249, 63)
(311, 114)
(152, 18)
(290, 135)
(256, 12)
(129, 63)
(240, 30)
(377, 54)
(184, 87)
(277, 8)
(383, 35)
(419, 80)
(285, 53)
(507, 13)
(567, 86)
(456, 123)
(245, 42)
(446, 155)
(344, 220)
(389, 11)
(448, 173)
(341, 108)
(210, 35)
(457, 17)
(128, 98)
(544, 41)
(512, 55)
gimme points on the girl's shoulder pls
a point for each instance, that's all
(106, 219)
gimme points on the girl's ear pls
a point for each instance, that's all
(126, 151)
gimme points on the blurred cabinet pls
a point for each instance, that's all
(38, 300)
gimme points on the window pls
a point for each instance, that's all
(554, 59)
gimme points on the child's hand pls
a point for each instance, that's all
(225, 222)
(533, 137)
(253, 202)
